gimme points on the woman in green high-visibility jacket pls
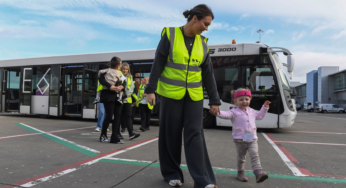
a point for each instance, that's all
(181, 65)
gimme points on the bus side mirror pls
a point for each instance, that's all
(290, 63)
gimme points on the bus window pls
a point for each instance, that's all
(12, 89)
(90, 85)
(259, 78)
(226, 81)
(41, 80)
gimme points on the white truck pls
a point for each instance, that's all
(308, 107)
(324, 108)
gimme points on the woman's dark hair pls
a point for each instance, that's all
(115, 62)
(200, 11)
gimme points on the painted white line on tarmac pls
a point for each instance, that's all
(316, 143)
(140, 161)
(288, 162)
(32, 134)
(64, 172)
(63, 139)
(315, 132)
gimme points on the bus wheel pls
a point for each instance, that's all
(208, 119)
(340, 111)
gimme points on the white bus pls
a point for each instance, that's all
(66, 85)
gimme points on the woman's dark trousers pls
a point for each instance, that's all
(145, 115)
(179, 117)
(126, 118)
(112, 109)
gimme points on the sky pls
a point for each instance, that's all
(314, 31)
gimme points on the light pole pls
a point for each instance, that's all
(259, 31)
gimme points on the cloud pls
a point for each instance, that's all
(297, 36)
(306, 61)
(339, 35)
(143, 39)
(270, 31)
(244, 16)
(29, 22)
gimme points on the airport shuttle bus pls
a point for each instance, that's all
(66, 85)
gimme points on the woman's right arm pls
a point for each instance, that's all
(159, 64)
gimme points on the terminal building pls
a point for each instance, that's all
(325, 85)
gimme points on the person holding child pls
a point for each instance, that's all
(244, 132)
(111, 96)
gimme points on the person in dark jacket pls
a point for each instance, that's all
(181, 65)
(113, 85)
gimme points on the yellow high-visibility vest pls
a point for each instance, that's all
(141, 92)
(183, 71)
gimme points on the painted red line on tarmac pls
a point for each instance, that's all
(313, 143)
(315, 132)
(76, 164)
(33, 134)
(291, 157)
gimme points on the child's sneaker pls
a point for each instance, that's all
(211, 186)
(260, 176)
(241, 176)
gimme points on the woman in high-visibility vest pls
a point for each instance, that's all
(182, 63)
(126, 112)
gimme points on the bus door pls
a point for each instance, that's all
(11, 89)
(55, 90)
(72, 78)
(41, 84)
(25, 90)
(89, 87)
(260, 78)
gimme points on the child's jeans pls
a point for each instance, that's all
(242, 148)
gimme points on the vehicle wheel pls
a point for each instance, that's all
(340, 111)
(325, 111)
(209, 120)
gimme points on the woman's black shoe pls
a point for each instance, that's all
(120, 136)
(134, 135)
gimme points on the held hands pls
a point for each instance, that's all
(267, 103)
(214, 110)
(150, 98)
(144, 95)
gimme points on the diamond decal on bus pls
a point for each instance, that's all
(43, 79)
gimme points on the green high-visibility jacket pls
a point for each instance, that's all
(183, 72)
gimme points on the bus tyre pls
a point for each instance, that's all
(324, 111)
(208, 119)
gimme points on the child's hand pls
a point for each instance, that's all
(267, 103)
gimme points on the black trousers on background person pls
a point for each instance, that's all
(145, 115)
(176, 116)
(126, 118)
(112, 109)
(123, 126)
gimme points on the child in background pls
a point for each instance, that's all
(244, 132)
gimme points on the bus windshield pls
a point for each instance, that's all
(283, 77)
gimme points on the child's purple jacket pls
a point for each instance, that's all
(243, 120)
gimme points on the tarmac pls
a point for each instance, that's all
(61, 152)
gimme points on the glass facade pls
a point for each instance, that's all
(339, 82)
(301, 91)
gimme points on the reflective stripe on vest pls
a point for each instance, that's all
(183, 71)
(99, 86)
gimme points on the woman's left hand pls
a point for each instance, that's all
(214, 109)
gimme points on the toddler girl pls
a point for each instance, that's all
(244, 132)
